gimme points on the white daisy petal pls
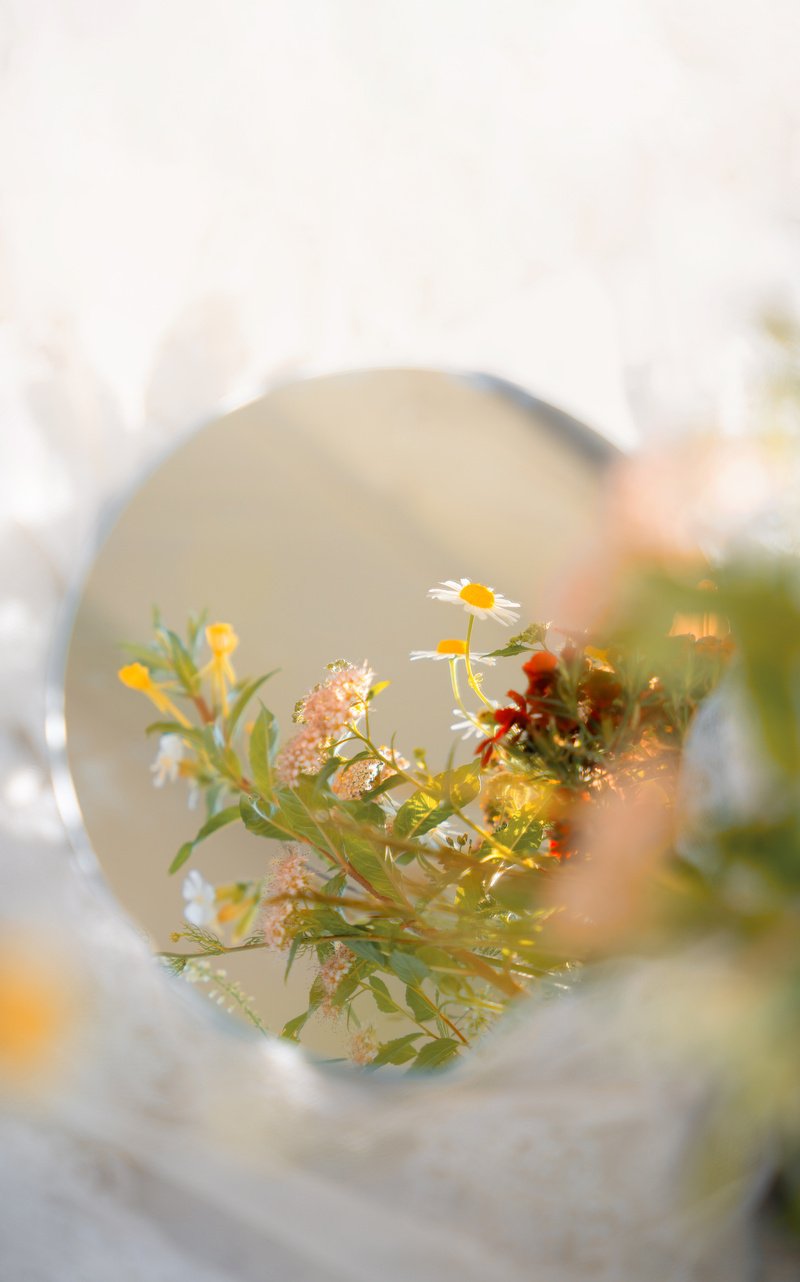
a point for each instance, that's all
(477, 599)
(471, 729)
(452, 649)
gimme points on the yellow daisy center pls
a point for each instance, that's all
(221, 639)
(452, 646)
(476, 594)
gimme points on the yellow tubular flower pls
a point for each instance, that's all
(137, 677)
(222, 641)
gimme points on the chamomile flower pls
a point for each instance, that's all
(477, 599)
(452, 648)
(200, 908)
(168, 760)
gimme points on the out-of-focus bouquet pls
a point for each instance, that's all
(628, 786)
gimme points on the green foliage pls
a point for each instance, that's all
(243, 698)
(531, 639)
(437, 801)
(212, 825)
(263, 747)
(435, 1054)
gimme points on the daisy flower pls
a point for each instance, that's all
(200, 908)
(168, 759)
(452, 648)
(477, 599)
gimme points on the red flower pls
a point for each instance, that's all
(540, 671)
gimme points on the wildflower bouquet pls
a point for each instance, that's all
(425, 893)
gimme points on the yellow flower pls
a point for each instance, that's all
(36, 1007)
(222, 641)
(137, 677)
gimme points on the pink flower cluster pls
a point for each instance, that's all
(290, 876)
(325, 714)
(364, 1046)
(356, 779)
(331, 974)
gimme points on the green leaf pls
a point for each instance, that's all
(434, 803)
(433, 957)
(183, 854)
(436, 1053)
(182, 661)
(293, 950)
(243, 698)
(214, 795)
(461, 786)
(335, 885)
(365, 948)
(531, 639)
(522, 833)
(227, 816)
(294, 1026)
(194, 631)
(152, 659)
(372, 865)
(420, 814)
(383, 999)
(174, 727)
(263, 744)
(408, 967)
(397, 1051)
(420, 1006)
(219, 820)
(257, 822)
(349, 983)
(317, 993)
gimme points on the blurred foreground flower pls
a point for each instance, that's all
(38, 1011)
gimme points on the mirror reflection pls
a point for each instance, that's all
(313, 522)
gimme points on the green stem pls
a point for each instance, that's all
(468, 661)
(459, 701)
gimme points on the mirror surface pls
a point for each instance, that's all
(315, 520)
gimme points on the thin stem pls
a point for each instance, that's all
(459, 701)
(468, 661)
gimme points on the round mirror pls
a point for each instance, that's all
(314, 520)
